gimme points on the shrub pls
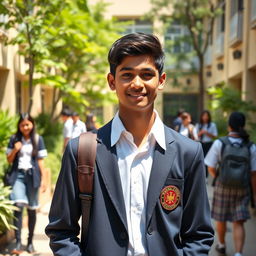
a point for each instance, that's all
(50, 130)
(6, 209)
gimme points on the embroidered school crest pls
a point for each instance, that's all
(170, 197)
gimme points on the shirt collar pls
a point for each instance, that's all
(157, 130)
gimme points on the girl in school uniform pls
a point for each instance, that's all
(206, 132)
(231, 203)
(26, 152)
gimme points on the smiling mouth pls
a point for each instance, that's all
(137, 95)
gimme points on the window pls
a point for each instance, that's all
(173, 39)
(138, 26)
(236, 21)
(220, 29)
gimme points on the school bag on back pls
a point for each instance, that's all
(235, 164)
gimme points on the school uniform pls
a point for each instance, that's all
(68, 128)
(78, 128)
(229, 204)
(205, 139)
(185, 131)
(25, 176)
(160, 207)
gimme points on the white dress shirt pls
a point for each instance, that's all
(78, 128)
(212, 129)
(68, 128)
(135, 167)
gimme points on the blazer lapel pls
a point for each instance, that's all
(162, 163)
(108, 167)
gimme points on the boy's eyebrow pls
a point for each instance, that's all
(130, 68)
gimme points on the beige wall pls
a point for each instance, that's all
(238, 73)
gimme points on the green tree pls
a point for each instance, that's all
(65, 44)
(79, 40)
(225, 100)
(28, 20)
(198, 17)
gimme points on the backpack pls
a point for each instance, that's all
(234, 169)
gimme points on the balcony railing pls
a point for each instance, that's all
(208, 56)
(219, 45)
(236, 28)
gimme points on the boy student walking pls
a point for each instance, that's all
(149, 194)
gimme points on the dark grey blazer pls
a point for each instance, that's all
(185, 230)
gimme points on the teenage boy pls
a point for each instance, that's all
(149, 185)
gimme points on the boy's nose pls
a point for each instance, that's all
(137, 82)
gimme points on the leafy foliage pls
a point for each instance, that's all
(225, 100)
(66, 43)
(7, 128)
(6, 209)
(197, 16)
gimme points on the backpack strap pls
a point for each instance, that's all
(85, 173)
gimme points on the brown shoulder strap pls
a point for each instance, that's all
(85, 172)
(86, 160)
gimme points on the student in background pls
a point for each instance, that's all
(178, 121)
(68, 126)
(78, 125)
(26, 152)
(231, 192)
(187, 128)
(206, 131)
(91, 122)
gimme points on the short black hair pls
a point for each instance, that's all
(136, 44)
(66, 112)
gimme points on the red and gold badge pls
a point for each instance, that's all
(170, 197)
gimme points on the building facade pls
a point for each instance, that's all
(231, 58)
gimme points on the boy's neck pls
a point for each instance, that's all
(138, 123)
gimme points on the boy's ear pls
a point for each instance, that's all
(111, 81)
(162, 80)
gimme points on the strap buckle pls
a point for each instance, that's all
(87, 197)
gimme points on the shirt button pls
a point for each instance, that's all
(123, 235)
(150, 230)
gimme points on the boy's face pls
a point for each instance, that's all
(136, 82)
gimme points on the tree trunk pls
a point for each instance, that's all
(55, 101)
(201, 83)
(30, 82)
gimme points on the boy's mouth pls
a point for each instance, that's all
(137, 95)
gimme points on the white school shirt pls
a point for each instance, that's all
(185, 132)
(213, 156)
(68, 128)
(135, 167)
(78, 128)
(25, 154)
(212, 129)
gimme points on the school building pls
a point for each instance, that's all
(230, 58)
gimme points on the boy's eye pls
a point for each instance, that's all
(147, 76)
(126, 75)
